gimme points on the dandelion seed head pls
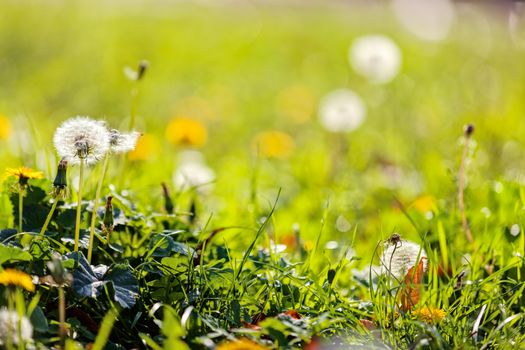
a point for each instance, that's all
(399, 256)
(82, 138)
(342, 111)
(428, 20)
(122, 142)
(192, 171)
(12, 326)
(375, 57)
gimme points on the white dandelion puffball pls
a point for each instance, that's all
(192, 171)
(428, 20)
(9, 327)
(375, 57)
(121, 142)
(398, 257)
(82, 138)
(342, 111)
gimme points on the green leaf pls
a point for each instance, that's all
(88, 281)
(39, 320)
(125, 285)
(85, 281)
(12, 254)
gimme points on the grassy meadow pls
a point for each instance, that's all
(238, 220)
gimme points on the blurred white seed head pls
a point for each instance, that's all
(399, 256)
(375, 57)
(12, 326)
(342, 111)
(121, 142)
(81, 138)
(192, 171)
(428, 20)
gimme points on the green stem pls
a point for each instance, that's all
(95, 207)
(79, 205)
(62, 316)
(20, 209)
(49, 216)
(134, 102)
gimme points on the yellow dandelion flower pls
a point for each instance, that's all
(184, 131)
(297, 103)
(241, 344)
(274, 144)
(12, 277)
(147, 146)
(424, 204)
(23, 174)
(5, 127)
(429, 314)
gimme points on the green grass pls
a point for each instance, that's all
(205, 274)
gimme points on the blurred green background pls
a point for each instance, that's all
(240, 68)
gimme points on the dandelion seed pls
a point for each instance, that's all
(375, 57)
(11, 327)
(12, 277)
(122, 142)
(82, 138)
(342, 111)
(399, 256)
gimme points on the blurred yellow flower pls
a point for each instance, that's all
(147, 146)
(296, 102)
(5, 127)
(183, 131)
(274, 144)
(23, 174)
(12, 277)
(429, 314)
(241, 344)
(424, 203)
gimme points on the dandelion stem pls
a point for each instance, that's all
(134, 103)
(95, 207)
(79, 203)
(20, 209)
(461, 184)
(49, 216)
(62, 316)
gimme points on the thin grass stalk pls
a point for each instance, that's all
(49, 216)
(79, 203)
(95, 207)
(20, 209)
(461, 184)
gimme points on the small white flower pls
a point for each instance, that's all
(121, 142)
(9, 327)
(192, 171)
(342, 111)
(376, 57)
(400, 256)
(81, 138)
